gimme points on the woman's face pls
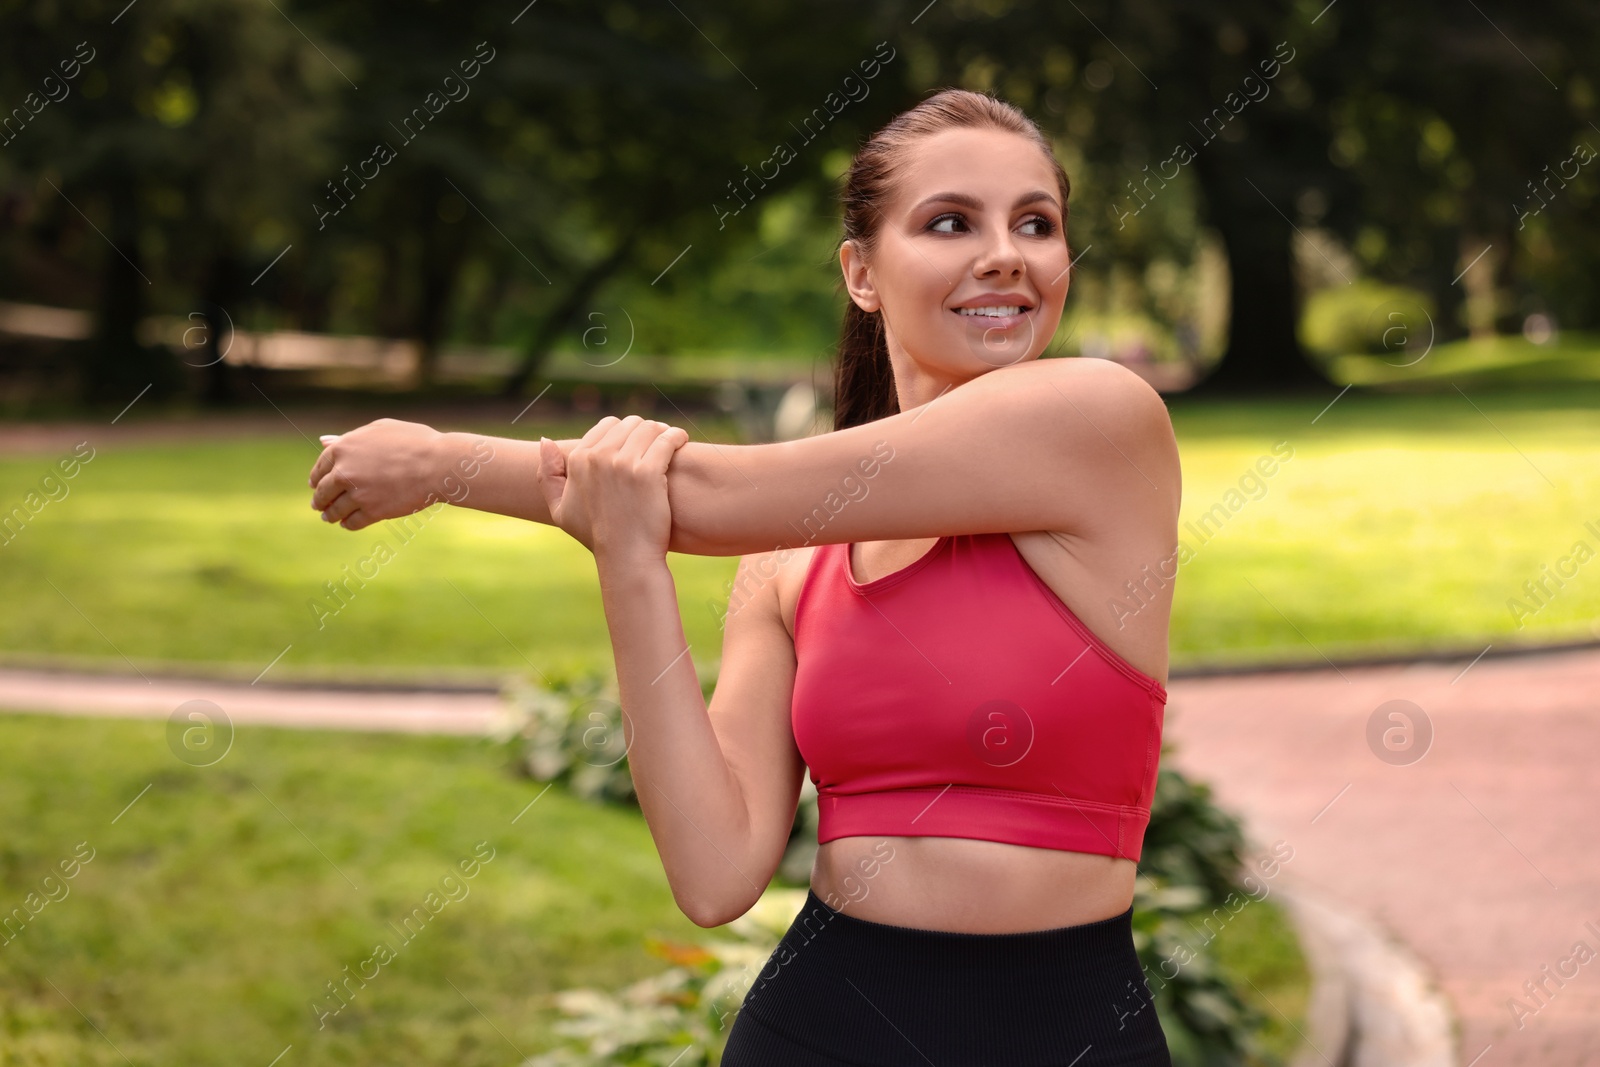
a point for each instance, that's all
(969, 267)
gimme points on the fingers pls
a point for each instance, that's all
(658, 455)
(617, 438)
(601, 429)
(627, 439)
(328, 490)
(356, 520)
(324, 462)
(340, 509)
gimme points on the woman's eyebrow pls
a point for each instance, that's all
(975, 204)
(1035, 197)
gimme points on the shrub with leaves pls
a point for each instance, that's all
(1190, 868)
(680, 1017)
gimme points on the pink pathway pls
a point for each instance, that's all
(1482, 856)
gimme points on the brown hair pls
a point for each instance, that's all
(863, 379)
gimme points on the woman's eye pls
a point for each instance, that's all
(1041, 226)
(947, 224)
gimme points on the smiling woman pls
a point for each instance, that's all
(985, 754)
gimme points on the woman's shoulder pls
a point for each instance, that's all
(769, 582)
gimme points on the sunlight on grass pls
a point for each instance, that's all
(1398, 524)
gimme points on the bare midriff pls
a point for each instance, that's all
(968, 885)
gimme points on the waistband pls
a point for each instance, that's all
(1054, 944)
(867, 992)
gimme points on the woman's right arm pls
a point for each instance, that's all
(390, 468)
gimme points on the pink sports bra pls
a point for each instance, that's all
(959, 697)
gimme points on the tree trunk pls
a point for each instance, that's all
(563, 315)
(443, 252)
(219, 307)
(1263, 353)
(116, 367)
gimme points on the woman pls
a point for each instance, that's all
(945, 608)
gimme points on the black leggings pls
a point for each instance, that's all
(843, 990)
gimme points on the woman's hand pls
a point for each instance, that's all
(610, 491)
(382, 470)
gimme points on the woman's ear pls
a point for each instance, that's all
(857, 279)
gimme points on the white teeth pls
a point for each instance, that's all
(992, 312)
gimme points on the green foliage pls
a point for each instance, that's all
(1190, 867)
(681, 1015)
(591, 146)
(1371, 318)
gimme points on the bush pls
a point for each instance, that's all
(1367, 318)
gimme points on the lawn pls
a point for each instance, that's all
(1402, 523)
(1399, 523)
(215, 909)
(210, 907)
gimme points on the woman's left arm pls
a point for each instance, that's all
(1080, 446)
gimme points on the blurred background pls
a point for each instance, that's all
(1355, 247)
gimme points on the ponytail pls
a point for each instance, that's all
(863, 380)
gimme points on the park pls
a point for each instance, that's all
(282, 793)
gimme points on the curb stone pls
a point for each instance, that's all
(1373, 1003)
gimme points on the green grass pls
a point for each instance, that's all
(219, 904)
(1485, 363)
(209, 553)
(1403, 523)
(219, 901)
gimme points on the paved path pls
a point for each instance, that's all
(1482, 856)
(442, 712)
